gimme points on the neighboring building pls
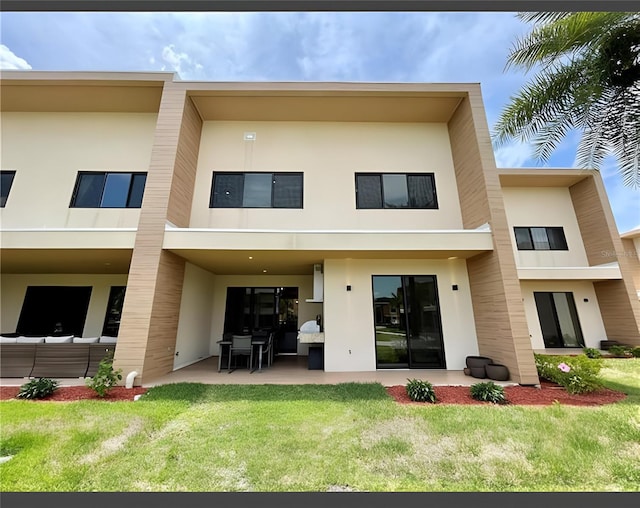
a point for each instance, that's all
(231, 207)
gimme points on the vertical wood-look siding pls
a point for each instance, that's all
(629, 249)
(501, 324)
(617, 299)
(149, 323)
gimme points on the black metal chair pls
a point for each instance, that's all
(240, 346)
(266, 349)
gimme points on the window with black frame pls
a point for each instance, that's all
(396, 190)
(108, 190)
(6, 181)
(256, 190)
(540, 238)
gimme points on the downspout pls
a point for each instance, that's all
(130, 377)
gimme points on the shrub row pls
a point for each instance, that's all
(577, 374)
(422, 391)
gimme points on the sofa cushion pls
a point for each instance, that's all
(29, 340)
(105, 339)
(85, 340)
(8, 340)
(66, 339)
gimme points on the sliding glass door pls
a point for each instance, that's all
(558, 320)
(407, 322)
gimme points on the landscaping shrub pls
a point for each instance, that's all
(577, 374)
(105, 378)
(488, 392)
(420, 391)
(635, 352)
(618, 351)
(592, 352)
(38, 388)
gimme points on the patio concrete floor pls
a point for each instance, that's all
(289, 370)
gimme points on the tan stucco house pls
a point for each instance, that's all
(168, 213)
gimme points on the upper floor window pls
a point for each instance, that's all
(108, 190)
(6, 180)
(395, 190)
(540, 238)
(256, 190)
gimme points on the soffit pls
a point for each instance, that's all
(233, 262)
(65, 260)
(80, 96)
(345, 107)
(542, 177)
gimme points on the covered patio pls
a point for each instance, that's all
(290, 370)
(293, 370)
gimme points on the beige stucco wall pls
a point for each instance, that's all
(48, 149)
(588, 312)
(14, 287)
(304, 283)
(348, 317)
(329, 154)
(545, 206)
(194, 328)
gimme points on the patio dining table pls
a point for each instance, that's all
(258, 342)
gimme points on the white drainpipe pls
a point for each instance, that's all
(130, 377)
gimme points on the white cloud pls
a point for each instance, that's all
(182, 63)
(513, 155)
(10, 61)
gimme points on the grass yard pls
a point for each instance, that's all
(192, 437)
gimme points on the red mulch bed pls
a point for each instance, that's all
(73, 393)
(520, 395)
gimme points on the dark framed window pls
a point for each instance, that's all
(108, 190)
(114, 311)
(256, 190)
(396, 190)
(540, 238)
(559, 319)
(6, 181)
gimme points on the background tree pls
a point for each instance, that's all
(588, 78)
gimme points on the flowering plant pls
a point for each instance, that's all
(578, 374)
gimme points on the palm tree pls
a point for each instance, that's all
(588, 78)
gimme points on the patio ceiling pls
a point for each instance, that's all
(299, 262)
(65, 260)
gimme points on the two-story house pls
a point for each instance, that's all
(168, 213)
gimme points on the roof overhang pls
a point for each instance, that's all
(81, 92)
(331, 102)
(543, 177)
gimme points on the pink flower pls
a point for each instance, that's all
(564, 367)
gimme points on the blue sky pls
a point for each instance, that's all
(358, 46)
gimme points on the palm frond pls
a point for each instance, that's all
(570, 35)
(542, 17)
(548, 97)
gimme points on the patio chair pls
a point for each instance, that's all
(240, 346)
(266, 350)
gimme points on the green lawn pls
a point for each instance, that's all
(192, 437)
